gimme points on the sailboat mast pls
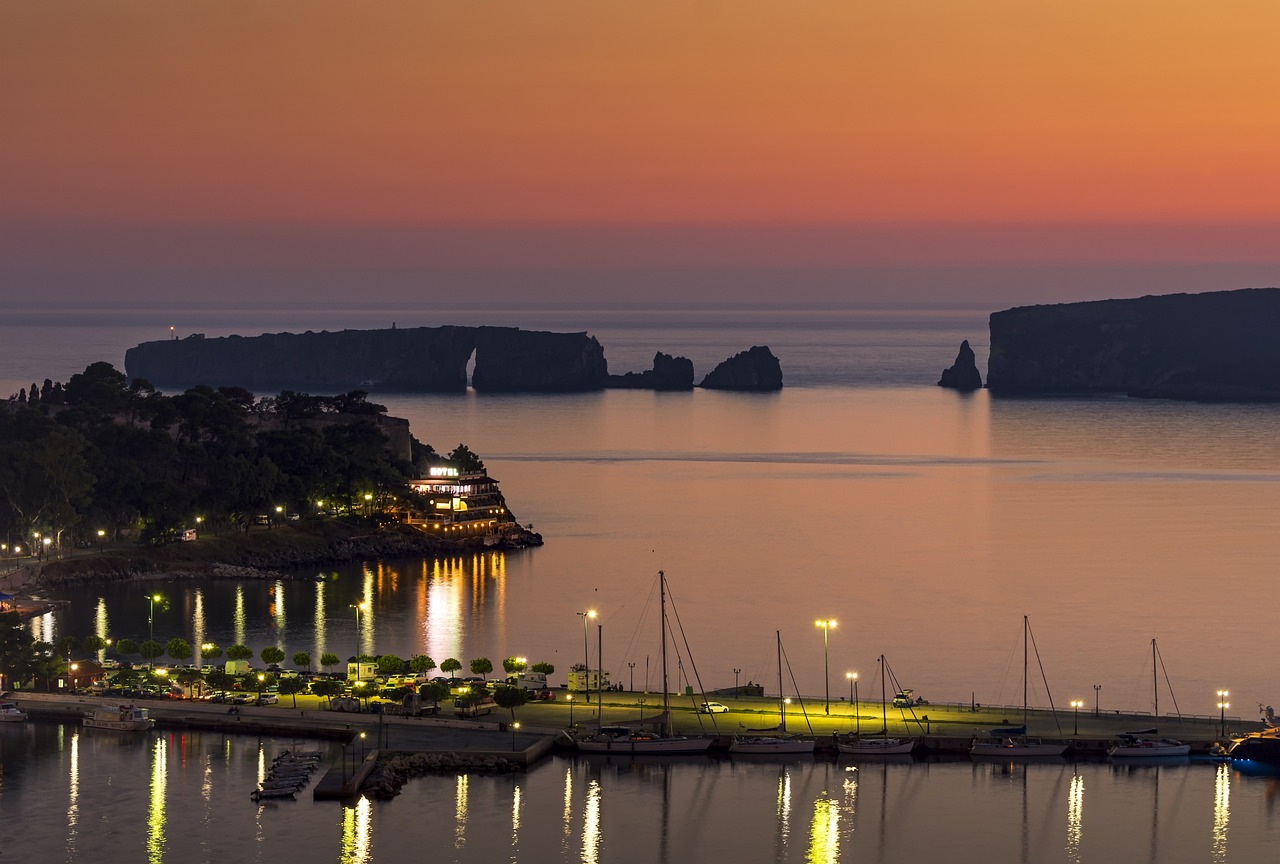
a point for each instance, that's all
(782, 702)
(666, 696)
(884, 705)
(1025, 626)
(1155, 685)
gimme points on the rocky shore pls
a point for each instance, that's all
(264, 554)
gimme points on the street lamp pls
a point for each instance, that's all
(514, 726)
(1097, 689)
(853, 700)
(1223, 705)
(586, 659)
(736, 673)
(74, 667)
(152, 600)
(363, 604)
(631, 687)
(569, 698)
(1076, 705)
(827, 624)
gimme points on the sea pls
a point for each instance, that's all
(925, 522)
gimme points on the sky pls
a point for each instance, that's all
(770, 152)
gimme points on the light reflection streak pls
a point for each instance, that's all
(357, 832)
(197, 622)
(516, 803)
(239, 615)
(444, 613)
(1075, 817)
(460, 812)
(1221, 811)
(101, 625)
(568, 810)
(156, 802)
(318, 622)
(42, 628)
(591, 836)
(365, 637)
(824, 833)
(784, 806)
(277, 605)
(73, 797)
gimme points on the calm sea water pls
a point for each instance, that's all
(926, 522)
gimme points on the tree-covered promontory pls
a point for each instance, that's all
(100, 458)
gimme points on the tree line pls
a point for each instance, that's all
(101, 456)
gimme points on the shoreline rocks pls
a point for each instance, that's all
(962, 375)
(755, 369)
(394, 770)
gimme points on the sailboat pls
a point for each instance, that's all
(1137, 744)
(881, 745)
(773, 744)
(1009, 745)
(624, 739)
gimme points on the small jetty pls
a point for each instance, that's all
(289, 773)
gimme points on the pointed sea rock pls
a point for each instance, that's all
(964, 374)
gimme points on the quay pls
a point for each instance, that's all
(944, 729)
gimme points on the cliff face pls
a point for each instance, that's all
(415, 359)
(754, 369)
(668, 373)
(1220, 346)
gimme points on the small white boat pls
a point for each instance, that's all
(1136, 744)
(1130, 745)
(877, 746)
(11, 713)
(123, 718)
(623, 739)
(769, 745)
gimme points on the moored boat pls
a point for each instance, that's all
(765, 745)
(1139, 745)
(123, 718)
(1261, 746)
(1018, 746)
(11, 713)
(881, 745)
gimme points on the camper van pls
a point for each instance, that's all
(474, 706)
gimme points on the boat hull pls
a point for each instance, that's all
(1011, 749)
(1149, 749)
(878, 747)
(770, 746)
(1259, 747)
(651, 746)
(119, 725)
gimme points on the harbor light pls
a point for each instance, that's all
(1223, 705)
(1076, 705)
(827, 624)
(853, 700)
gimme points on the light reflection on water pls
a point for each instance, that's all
(184, 796)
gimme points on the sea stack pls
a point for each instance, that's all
(756, 369)
(963, 374)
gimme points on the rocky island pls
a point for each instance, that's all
(427, 360)
(1214, 347)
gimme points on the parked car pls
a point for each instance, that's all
(546, 695)
(712, 708)
(268, 699)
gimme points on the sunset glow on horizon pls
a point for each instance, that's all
(880, 120)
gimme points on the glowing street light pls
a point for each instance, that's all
(853, 700)
(363, 604)
(152, 600)
(827, 624)
(1076, 705)
(569, 698)
(586, 653)
(514, 727)
(1223, 705)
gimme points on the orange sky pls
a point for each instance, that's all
(567, 113)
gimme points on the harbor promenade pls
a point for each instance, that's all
(943, 728)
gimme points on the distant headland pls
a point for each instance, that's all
(426, 360)
(1221, 346)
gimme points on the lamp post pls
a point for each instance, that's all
(152, 600)
(568, 697)
(514, 726)
(736, 673)
(853, 701)
(1223, 705)
(1097, 689)
(827, 624)
(74, 667)
(1076, 705)
(631, 687)
(363, 604)
(600, 670)
(586, 655)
